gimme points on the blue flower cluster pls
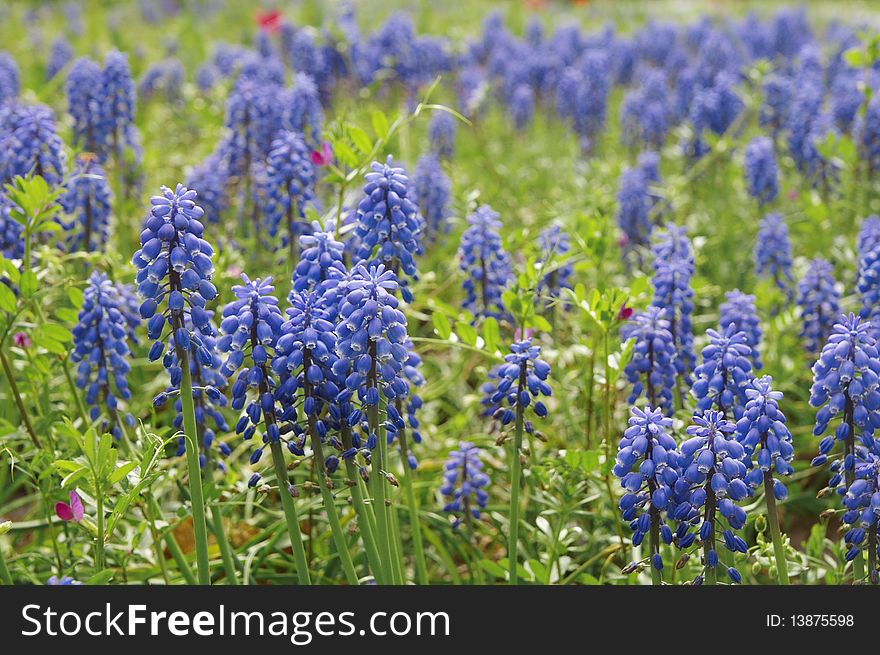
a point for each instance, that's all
(862, 509)
(868, 286)
(89, 204)
(738, 310)
(441, 134)
(34, 144)
(320, 266)
(389, 225)
(464, 484)
(485, 264)
(773, 253)
(11, 241)
(764, 435)
(777, 92)
(522, 106)
(432, 189)
(650, 489)
(651, 370)
(289, 186)
(635, 202)
(521, 380)
(59, 56)
(762, 174)
(673, 270)
(84, 104)
(819, 302)
(101, 352)
(723, 377)
(117, 105)
(174, 269)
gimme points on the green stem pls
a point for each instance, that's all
(330, 507)
(99, 517)
(421, 566)
(775, 533)
(200, 529)
(16, 394)
(173, 547)
(157, 544)
(513, 523)
(377, 481)
(226, 553)
(365, 520)
(5, 576)
(287, 504)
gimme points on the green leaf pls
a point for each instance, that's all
(75, 295)
(380, 124)
(102, 577)
(346, 154)
(542, 324)
(441, 324)
(56, 332)
(8, 301)
(493, 568)
(360, 139)
(121, 472)
(491, 334)
(467, 332)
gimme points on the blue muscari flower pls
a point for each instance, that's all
(485, 264)
(647, 465)
(302, 110)
(117, 105)
(84, 104)
(805, 106)
(738, 309)
(645, 113)
(88, 202)
(174, 269)
(11, 241)
(522, 106)
(819, 302)
(252, 118)
(846, 99)
(101, 352)
(413, 402)
(868, 286)
(635, 203)
(761, 172)
(441, 134)
(652, 369)
(289, 187)
(791, 30)
(211, 178)
(764, 435)
(867, 133)
(846, 378)
(389, 225)
(34, 144)
(869, 236)
(164, 77)
(251, 328)
(673, 271)
(592, 98)
(321, 265)
(261, 70)
(861, 502)
(723, 377)
(820, 171)
(207, 75)
(59, 57)
(372, 338)
(773, 252)
(432, 190)
(64, 580)
(9, 78)
(519, 383)
(209, 401)
(777, 90)
(554, 245)
(464, 484)
(713, 463)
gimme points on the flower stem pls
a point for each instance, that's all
(5, 576)
(365, 521)
(377, 481)
(16, 394)
(850, 477)
(421, 566)
(200, 530)
(226, 553)
(775, 534)
(99, 517)
(171, 543)
(330, 507)
(515, 473)
(287, 504)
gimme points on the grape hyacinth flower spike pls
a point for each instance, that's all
(713, 464)
(174, 269)
(721, 380)
(846, 384)
(520, 381)
(761, 171)
(648, 448)
(464, 484)
(738, 310)
(819, 302)
(763, 433)
(651, 370)
(290, 188)
(251, 329)
(862, 504)
(773, 253)
(485, 264)
(88, 202)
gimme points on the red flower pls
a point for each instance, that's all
(269, 21)
(625, 313)
(323, 156)
(21, 340)
(72, 511)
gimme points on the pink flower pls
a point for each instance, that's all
(21, 340)
(72, 511)
(324, 156)
(234, 271)
(517, 334)
(625, 313)
(269, 21)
